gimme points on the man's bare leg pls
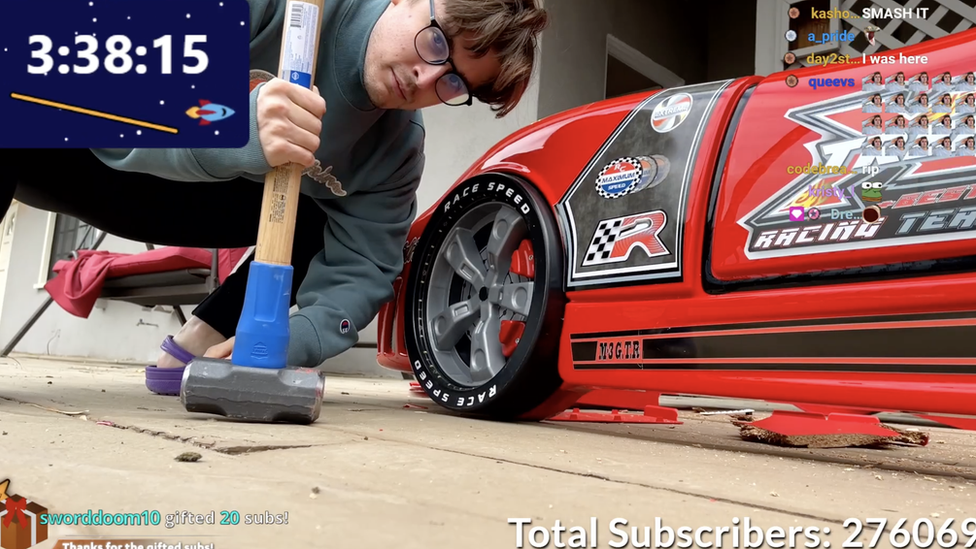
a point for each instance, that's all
(196, 336)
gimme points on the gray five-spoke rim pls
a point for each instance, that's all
(491, 293)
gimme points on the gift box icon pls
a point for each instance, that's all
(20, 523)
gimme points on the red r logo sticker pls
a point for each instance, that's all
(615, 239)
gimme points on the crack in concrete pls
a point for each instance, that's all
(228, 450)
(616, 481)
(238, 450)
(652, 487)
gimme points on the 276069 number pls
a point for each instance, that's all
(923, 533)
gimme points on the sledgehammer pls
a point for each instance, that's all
(256, 384)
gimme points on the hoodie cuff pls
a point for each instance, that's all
(304, 346)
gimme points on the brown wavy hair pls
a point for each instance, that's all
(508, 29)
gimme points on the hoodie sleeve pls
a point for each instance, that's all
(195, 164)
(208, 164)
(351, 279)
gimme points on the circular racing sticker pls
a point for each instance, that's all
(670, 113)
(619, 177)
(630, 175)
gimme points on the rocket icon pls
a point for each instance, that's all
(209, 112)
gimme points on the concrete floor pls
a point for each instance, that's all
(381, 468)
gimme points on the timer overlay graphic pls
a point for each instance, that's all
(123, 74)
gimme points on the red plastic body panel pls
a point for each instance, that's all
(696, 342)
(767, 142)
(911, 392)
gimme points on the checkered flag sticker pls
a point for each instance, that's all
(615, 239)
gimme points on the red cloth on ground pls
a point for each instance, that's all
(227, 260)
(79, 282)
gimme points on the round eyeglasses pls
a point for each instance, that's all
(433, 47)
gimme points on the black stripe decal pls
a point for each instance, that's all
(792, 367)
(584, 351)
(916, 342)
(781, 324)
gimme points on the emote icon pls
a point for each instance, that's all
(871, 191)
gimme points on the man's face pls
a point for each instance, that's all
(395, 74)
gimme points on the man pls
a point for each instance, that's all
(920, 148)
(897, 83)
(944, 127)
(943, 83)
(874, 83)
(872, 147)
(967, 147)
(873, 126)
(896, 148)
(357, 134)
(944, 105)
(943, 148)
(920, 105)
(898, 125)
(967, 104)
(920, 83)
(873, 105)
(968, 83)
(966, 127)
(897, 105)
(920, 127)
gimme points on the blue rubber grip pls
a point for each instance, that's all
(262, 332)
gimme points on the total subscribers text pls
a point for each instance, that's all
(743, 534)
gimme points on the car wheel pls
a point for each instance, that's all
(484, 302)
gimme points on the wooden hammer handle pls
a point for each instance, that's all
(282, 187)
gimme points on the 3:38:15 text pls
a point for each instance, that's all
(118, 60)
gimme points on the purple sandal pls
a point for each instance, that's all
(167, 381)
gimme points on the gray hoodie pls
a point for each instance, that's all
(368, 170)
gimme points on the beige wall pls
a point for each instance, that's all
(712, 43)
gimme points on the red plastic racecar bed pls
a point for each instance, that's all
(682, 241)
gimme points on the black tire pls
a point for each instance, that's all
(530, 375)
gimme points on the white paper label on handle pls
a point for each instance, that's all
(303, 19)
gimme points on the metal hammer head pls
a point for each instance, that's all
(214, 386)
